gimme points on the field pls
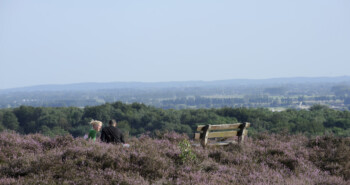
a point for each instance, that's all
(167, 159)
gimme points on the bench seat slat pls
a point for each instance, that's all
(225, 134)
(222, 143)
(223, 126)
(218, 134)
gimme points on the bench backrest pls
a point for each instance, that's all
(221, 131)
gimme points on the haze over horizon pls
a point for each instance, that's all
(343, 80)
(65, 42)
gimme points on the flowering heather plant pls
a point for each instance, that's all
(265, 159)
(331, 154)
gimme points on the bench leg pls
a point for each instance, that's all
(204, 135)
(241, 133)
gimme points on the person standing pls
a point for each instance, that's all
(112, 134)
(96, 127)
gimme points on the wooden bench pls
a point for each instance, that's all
(223, 131)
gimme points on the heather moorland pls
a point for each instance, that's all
(171, 158)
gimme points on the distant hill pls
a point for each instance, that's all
(91, 86)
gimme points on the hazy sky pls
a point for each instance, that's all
(66, 41)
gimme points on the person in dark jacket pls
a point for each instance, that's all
(112, 134)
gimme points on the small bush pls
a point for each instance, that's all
(186, 154)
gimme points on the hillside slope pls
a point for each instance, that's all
(276, 159)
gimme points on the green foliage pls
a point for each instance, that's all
(124, 127)
(102, 112)
(79, 130)
(186, 154)
(136, 119)
(27, 118)
(318, 107)
(52, 132)
(1, 125)
(10, 121)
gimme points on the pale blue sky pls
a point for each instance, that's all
(66, 41)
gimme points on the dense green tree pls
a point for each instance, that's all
(80, 130)
(101, 113)
(1, 125)
(27, 117)
(73, 115)
(124, 127)
(318, 107)
(10, 121)
(49, 118)
(52, 132)
(137, 119)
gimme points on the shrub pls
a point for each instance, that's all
(186, 154)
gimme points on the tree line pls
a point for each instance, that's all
(136, 118)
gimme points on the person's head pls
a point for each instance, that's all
(112, 122)
(96, 125)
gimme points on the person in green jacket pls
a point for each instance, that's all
(96, 127)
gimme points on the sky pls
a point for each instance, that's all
(63, 42)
